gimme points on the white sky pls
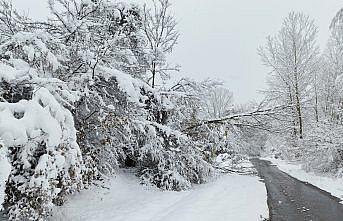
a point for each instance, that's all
(219, 38)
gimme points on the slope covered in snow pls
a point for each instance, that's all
(230, 197)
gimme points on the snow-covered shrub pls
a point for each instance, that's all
(323, 149)
(36, 128)
(234, 163)
(46, 160)
(168, 158)
(122, 122)
(283, 146)
(102, 120)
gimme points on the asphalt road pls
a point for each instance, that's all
(292, 200)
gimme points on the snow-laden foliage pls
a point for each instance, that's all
(168, 158)
(323, 150)
(99, 33)
(32, 47)
(234, 163)
(103, 116)
(40, 136)
(76, 105)
(199, 102)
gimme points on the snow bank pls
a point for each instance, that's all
(329, 184)
(230, 197)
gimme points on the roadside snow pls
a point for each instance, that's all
(230, 197)
(331, 185)
(4, 173)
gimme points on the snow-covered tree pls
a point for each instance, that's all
(161, 33)
(330, 77)
(292, 57)
(76, 106)
(322, 150)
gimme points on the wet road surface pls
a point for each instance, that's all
(292, 200)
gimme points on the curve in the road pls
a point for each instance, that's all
(292, 200)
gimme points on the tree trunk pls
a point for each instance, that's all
(297, 93)
(294, 121)
(153, 74)
(299, 116)
(316, 109)
(316, 100)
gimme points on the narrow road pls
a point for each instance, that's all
(292, 200)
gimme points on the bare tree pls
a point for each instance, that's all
(331, 75)
(159, 27)
(11, 22)
(292, 55)
(218, 102)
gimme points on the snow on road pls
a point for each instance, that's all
(229, 197)
(329, 184)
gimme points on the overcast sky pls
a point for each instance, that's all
(219, 38)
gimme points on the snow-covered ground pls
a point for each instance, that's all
(4, 172)
(331, 185)
(229, 197)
